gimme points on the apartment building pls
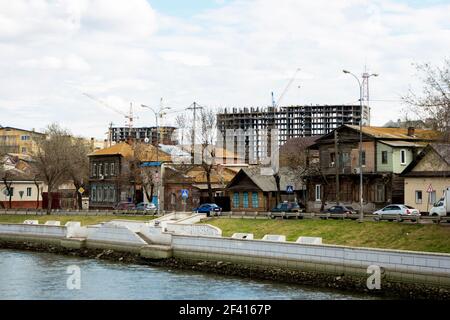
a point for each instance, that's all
(18, 141)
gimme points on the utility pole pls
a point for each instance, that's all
(158, 113)
(361, 95)
(194, 108)
(336, 157)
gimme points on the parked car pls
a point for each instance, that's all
(209, 208)
(287, 209)
(146, 207)
(125, 206)
(341, 209)
(397, 209)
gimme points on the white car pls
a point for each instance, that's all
(400, 209)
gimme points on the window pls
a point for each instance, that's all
(332, 159)
(380, 193)
(363, 158)
(93, 193)
(112, 169)
(418, 196)
(29, 192)
(100, 170)
(318, 192)
(106, 169)
(255, 202)
(403, 157)
(345, 159)
(236, 200)
(432, 197)
(24, 149)
(94, 170)
(245, 199)
(25, 138)
(99, 194)
(9, 192)
(384, 157)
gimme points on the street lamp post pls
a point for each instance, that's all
(361, 211)
(159, 113)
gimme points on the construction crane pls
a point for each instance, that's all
(276, 104)
(130, 117)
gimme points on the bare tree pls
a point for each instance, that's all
(78, 166)
(207, 140)
(7, 182)
(144, 176)
(52, 158)
(432, 105)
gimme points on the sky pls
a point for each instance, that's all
(219, 53)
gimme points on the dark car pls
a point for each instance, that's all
(209, 208)
(341, 209)
(125, 206)
(283, 209)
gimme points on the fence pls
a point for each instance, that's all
(239, 214)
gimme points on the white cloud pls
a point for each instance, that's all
(185, 58)
(124, 51)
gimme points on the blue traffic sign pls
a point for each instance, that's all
(184, 193)
(289, 189)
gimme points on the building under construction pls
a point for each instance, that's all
(291, 122)
(143, 134)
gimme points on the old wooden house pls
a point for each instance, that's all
(386, 152)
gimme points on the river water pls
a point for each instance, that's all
(33, 275)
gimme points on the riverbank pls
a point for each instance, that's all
(385, 235)
(391, 290)
(64, 218)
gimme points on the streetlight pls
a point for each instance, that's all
(366, 76)
(159, 113)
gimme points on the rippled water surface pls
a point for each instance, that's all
(31, 275)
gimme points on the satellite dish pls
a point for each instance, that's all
(146, 140)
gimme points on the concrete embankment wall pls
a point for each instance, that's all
(190, 242)
(397, 265)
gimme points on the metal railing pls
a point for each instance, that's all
(238, 214)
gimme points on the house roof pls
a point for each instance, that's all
(267, 182)
(442, 149)
(126, 150)
(123, 149)
(397, 133)
(400, 143)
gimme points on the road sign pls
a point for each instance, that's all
(81, 190)
(184, 193)
(430, 188)
(289, 189)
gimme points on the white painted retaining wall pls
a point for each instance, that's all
(427, 267)
(192, 219)
(157, 235)
(34, 229)
(194, 229)
(110, 232)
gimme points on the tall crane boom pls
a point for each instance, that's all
(287, 87)
(128, 116)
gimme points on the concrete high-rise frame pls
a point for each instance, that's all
(291, 121)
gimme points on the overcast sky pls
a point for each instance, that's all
(217, 53)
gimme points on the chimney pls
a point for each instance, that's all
(411, 131)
